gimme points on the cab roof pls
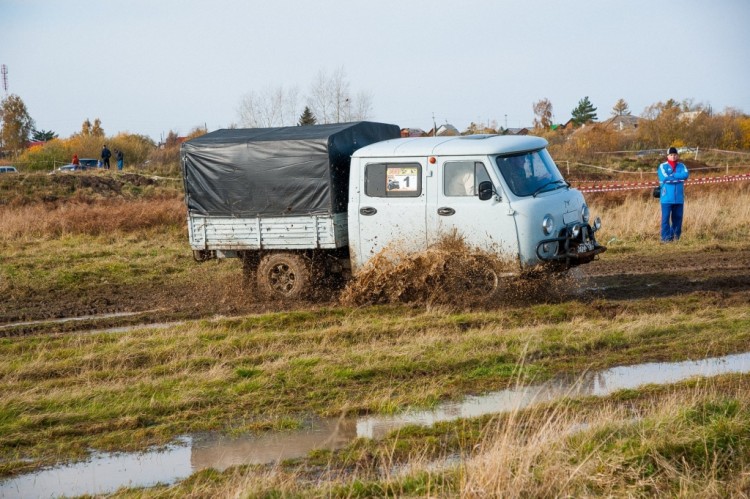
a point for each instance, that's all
(452, 146)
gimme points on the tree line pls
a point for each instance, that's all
(662, 124)
(329, 99)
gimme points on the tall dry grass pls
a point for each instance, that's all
(712, 213)
(42, 222)
(686, 444)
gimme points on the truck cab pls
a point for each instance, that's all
(502, 194)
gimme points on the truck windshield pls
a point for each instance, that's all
(530, 173)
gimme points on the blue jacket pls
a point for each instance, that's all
(672, 183)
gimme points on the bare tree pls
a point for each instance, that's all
(543, 113)
(271, 107)
(331, 101)
(97, 130)
(362, 107)
(86, 128)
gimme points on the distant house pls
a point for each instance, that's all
(413, 132)
(447, 130)
(688, 116)
(568, 125)
(172, 142)
(516, 131)
(622, 122)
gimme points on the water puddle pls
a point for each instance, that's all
(74, 319)
(106, 472)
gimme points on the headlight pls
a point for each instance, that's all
(585, 215)
(597, 223)
(575, 230)
(548, 224)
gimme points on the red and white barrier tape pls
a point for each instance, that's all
(628, 186)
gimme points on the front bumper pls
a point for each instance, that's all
(570, 249)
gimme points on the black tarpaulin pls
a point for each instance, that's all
(298, 170)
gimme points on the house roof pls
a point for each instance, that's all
(622, 122)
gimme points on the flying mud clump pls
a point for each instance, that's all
(449, 273)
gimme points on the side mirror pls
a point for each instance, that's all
(485, 190)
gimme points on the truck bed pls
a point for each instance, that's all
(268, 233)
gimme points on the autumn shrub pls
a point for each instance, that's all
(57, 152)
(165, 160)
(45, 157)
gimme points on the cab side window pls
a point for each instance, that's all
(385, 180)
(462, 178)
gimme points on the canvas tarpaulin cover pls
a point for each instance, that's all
(275, 171)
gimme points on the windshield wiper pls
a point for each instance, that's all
(551, 182)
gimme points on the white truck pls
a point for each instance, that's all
(298, 202)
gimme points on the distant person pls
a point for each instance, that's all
(75, 161)
(120, 159)
(106, 154)
(672, 175)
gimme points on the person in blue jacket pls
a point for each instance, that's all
(672, 177)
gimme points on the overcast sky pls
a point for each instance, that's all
(151, 66)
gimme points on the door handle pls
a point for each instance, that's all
(446, 212)
(367, 211)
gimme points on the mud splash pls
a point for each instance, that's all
(105, 472)
(449, 273)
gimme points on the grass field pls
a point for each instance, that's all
(66, 391)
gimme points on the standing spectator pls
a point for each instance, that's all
(106, 154)
(672, 175)
(120, 159)
(75, 161)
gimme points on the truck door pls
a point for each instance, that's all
(486, 225)
(391, 209)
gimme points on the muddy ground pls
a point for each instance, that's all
(719, 273)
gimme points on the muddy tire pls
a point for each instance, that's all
(283, 276)
(484, 282)
(487, 283)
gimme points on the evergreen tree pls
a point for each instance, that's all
(584, 113)
(17, 124)
(621, 108)
(43, 135)
(307, 118)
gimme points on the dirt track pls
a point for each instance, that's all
(721, 273)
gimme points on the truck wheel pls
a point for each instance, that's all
(487, 283)
(283, 275)
(484, 282)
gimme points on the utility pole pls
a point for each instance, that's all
(5, 79)
(434, 126)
